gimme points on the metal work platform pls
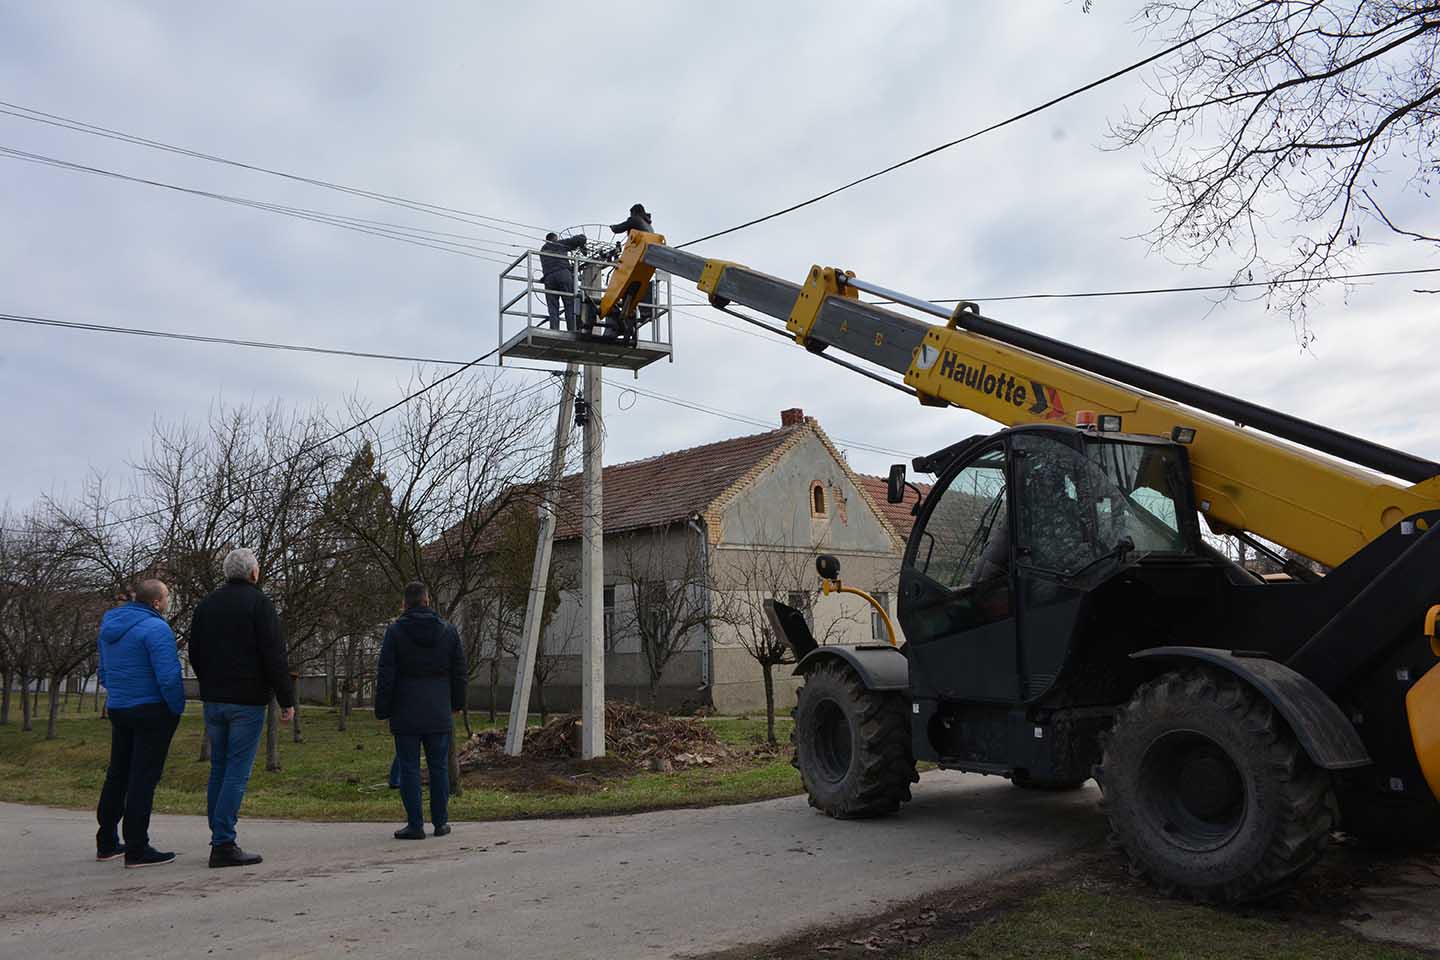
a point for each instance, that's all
(526, 331)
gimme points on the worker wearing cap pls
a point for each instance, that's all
(557, 273)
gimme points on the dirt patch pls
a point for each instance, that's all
(533, 775)
(636, 740)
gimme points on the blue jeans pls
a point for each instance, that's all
(234, 730)
(437, 761)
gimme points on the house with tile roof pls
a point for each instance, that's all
(692, 537)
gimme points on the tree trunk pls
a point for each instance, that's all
(204, 745)
(55, 699)
(97, 694)
(540, 701)
(456, 787)
(494, 684)
(465, 715)
(296, 734)
(342, 719)
(272, 736)
(5, 680)
(768, 670)
(25, 725)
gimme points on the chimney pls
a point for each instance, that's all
(793, 417)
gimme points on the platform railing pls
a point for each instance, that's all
(523, 305)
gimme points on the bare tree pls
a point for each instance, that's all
(463, 454)
(666, 574)
(51, 607)
(772, 569)
(1300, 111)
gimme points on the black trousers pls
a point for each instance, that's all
(139, 743)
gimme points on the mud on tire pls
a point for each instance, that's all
(852, 746)
(1209, 792)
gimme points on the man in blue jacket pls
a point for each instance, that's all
(144, 698)
(419, 683)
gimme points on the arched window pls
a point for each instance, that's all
(817, 499)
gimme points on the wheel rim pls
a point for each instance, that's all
(1192, 790)
(832, 741)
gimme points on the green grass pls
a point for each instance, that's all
(341, 776)
(1077, 923)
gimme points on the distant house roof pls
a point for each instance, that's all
(896, 514)
(675, 486)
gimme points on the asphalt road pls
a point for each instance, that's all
(649, 885)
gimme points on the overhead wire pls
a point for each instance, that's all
(316, 216)
(1145, 291)
(80, 126)
(1115, 75)
(310, 448)
(54, 323)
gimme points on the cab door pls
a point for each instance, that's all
(956, 588)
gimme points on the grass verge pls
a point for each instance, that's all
(340, 776)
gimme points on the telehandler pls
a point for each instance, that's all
(1064, 618)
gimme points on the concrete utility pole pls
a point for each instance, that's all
(540, 574)
(592, 578)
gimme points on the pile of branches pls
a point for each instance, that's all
(632, 735)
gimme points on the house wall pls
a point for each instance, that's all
(760, 543)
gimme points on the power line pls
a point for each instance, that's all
(80, 126)
(984, 130)
(301, 213)
(1194, 289)
(304, 348)
(310, 448)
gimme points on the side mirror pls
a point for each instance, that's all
(827, 566)
(895, 486)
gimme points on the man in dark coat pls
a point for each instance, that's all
(558, 274)
(239, 657)
(419, 684)
(638, 220)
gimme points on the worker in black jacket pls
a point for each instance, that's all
(419, 685)
(557, 272)
(238, 654)
(638, 220)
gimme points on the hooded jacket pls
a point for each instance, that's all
(139, 662)
(237, 650)
(420, 679)
(636, 221)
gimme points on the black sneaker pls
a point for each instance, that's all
(442, 829)
(410, 833)
(149, 857)
(109, 851)
(230, 855)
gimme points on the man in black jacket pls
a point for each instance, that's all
(557, 272)
(419, 684)
(239, 657)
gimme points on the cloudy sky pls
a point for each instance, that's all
(559, 114)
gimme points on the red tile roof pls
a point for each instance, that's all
(674, 486)
(897, 514)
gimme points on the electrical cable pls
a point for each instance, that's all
(301, 213)
(984, 130)
(1194, 289)
(303, 348)
(80, 126)
(309, 448)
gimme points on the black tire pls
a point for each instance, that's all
(852, 746)
(1026, 782)
(1209, 792)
